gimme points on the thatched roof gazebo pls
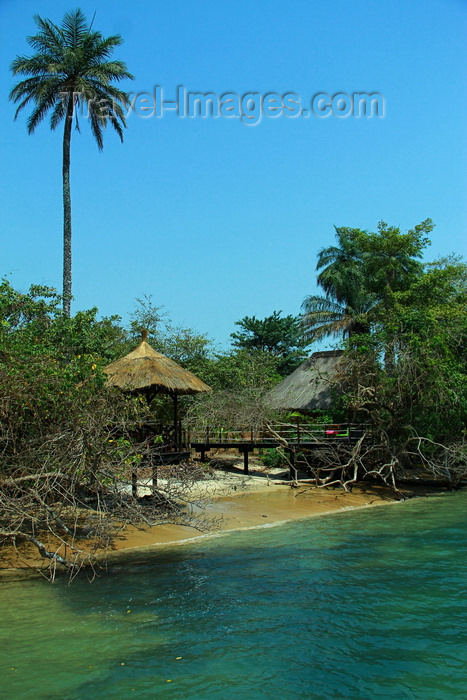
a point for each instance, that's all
(148, 372)
(310, 387)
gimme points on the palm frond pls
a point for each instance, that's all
(58, 113)
(48, 39)
(74, 28)
(327, 256)
(47, 101)
(98, 123)
(315, 303)
(104, 48)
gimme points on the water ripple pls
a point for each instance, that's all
(368, 604)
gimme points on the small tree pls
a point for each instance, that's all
(276, 335)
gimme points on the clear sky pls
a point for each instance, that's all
(217, 218)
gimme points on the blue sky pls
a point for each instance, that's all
(217, 219)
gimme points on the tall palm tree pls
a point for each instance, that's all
(71, 69)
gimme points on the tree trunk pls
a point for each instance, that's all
(67, 208)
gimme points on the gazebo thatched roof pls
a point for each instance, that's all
(310, 387)
(146, 370)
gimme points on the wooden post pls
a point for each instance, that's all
(292, 470)
(245, 462)
(154, 477)
(134, 485)
(177, 440)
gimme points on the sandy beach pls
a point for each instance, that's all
(235, 501)
(227, 501)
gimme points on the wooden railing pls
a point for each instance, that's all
(295, 433)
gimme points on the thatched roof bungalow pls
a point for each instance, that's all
(147, 371)
(310, 387)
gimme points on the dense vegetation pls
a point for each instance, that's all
(404, 372)
(67, 442)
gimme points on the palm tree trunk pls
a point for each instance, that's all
(67, 208)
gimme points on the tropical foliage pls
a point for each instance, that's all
(404, 372)
(359, 275)
(278, 336)
(425, 393)
(67, 442)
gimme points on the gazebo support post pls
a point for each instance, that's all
(245, 460)
(177, 439)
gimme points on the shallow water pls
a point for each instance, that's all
(365, 604)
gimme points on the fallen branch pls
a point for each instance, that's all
(42, 549)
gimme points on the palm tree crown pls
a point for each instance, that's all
(341, 266)
(71, 68)
(323, 316)
(343, 311)
(360, 276)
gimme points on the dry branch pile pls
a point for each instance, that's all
(67, 460)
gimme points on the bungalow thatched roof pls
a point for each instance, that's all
(310, 387)
(146, 370)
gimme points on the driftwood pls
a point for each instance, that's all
(376, 458)
(70, 517)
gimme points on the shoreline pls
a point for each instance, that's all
(221, 532)
(233, 503)
(259, 506)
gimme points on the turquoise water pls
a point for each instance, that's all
(367, 604)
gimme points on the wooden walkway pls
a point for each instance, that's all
(291, 442)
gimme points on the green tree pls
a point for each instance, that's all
(392, 264)
(414, 406)
(276, 335)
(146, 316)
(341, 273)
(241, 370)
(359, 275)
(184, 345)
(20, 311)
(32, 324)
(71, 68)
(391, 259)
(343, 310)
(425, 392)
